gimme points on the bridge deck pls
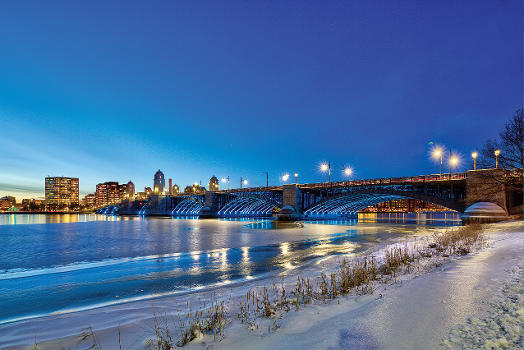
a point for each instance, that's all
(454, 177)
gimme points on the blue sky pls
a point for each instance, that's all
(109, 90)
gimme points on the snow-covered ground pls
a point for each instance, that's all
(474, 301)
(453, 306)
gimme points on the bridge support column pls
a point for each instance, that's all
(486, 185)
(211, 205)
(291, 196)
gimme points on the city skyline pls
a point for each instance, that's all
(183, 96)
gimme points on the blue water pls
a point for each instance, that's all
(55, 263)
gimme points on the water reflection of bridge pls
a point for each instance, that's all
(337, 199)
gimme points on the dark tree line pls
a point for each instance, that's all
(510, 162)
(510, 143)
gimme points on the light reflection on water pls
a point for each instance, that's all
(97, 259)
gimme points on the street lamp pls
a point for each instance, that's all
(224, 180)
(437, 153)
(245, 182)
(285, 177)
(474, 155)
(453, 162)
(296, 178)
(348, 171)
(326, 167)
(497, 153)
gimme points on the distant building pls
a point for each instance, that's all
(89, 201)
(130, 190)
(159, 183)
(7, 202)
(175, 189)
(61, 191)
(170, 189)
(141, 196)
(148, 190)
(108, 193)
(195, 189)
(213, 183)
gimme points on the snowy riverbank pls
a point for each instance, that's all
(445, 307)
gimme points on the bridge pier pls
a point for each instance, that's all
(291, 196)
(486, 185)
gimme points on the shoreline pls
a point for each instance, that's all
(137, 318)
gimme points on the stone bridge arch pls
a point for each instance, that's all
(353, 200)
(188, 206)
(249, 204)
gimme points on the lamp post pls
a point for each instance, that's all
(453, 162)
(497, 153)
(296, 178)
(474, 155)
(244, 182)
(437, 153)
(326, 167)
(348, 171)
(285, 177)
(224, 180)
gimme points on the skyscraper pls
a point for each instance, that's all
(109, 193)
(158, 182)
(61, 191)
(131, 190)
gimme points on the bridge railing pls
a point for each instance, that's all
(388, 181)
(380, 181)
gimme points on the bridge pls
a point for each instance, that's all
(455, 191)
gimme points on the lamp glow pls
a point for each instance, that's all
(324, 167)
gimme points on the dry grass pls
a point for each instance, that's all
(352, 276)
(169, 334)
(459, 241)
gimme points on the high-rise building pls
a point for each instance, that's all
(130, 190)
(213, 183)
(108, 193)
(89, 201)
(158, 182)
(61, 191)
(170, 189)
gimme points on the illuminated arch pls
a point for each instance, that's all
(346, 204)
(189, 206)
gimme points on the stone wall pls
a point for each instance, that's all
(291, 196)
(486, 185)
